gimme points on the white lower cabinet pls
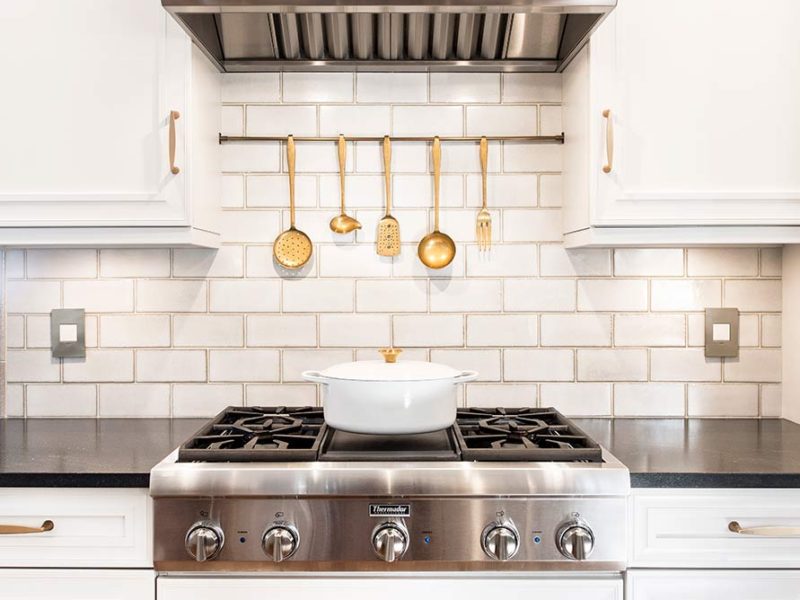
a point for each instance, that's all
(673, 584)
(82, 584)
(310, 587)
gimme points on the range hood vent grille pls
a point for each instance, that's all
(261, 37)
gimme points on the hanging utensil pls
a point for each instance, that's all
(292, 248)
(343, 223)
(388, 227)
(483, 223)
(437, 249)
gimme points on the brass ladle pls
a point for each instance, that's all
(437, 249)
(343, 223)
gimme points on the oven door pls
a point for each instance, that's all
(403, 586)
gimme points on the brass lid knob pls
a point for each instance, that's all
(390, 354)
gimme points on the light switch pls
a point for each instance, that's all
(68, 332)
(722, 332)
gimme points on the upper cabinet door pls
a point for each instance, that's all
(705, 111)
(89, 86)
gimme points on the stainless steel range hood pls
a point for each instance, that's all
(359, 35)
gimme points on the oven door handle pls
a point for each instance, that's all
(765, 531)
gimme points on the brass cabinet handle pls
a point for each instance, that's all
(174, 115)
(767, 531)
(17, 529)
(609, 141)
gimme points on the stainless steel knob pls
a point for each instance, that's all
(575, 540)
(280, 541)
(204, 541)
(390, 541)
(500, 540)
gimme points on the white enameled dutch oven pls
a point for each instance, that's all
(390, 397)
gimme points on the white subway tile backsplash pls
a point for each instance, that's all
(134, 400)
(281, 120)
(32, 365)
(748, 330)
(649, 330)
(428, 330)
(355, 120)
(550, 120)
(465, 87)
(716, 400)
(579, 399)
(649, 399)
(612, 295)
(557, 261)
(260, 226)
(208, 330)
(534, 295)
(62, 264)
(312, 295)
(503, 190)
(349, 331)
(542, 224)
(771, 331)
(576, 330)
(502, 120)
(61, 400)
(15, 400)
(281, 330)
(771, 400)
(251, 87)
(749, 295)
(36, 296)
(531, 87)
(460, 224)
(428, 120)
(353, 261)
(549, 190)
(253, 156)
(101, 366)
(297, 361)
(466, 295)
(245, 295)
(756, 364)
(538, 365)
(465, 158)
(648, 262)
(154, 295)
(395, 88)
(232, 120)
(318, 87)
(717, 262)
(502, 330)
(15, 264)
(15, 331)
(517, 260)
(485, 362)
(226, 261)
(522, 157)
(170, 365)
(265, 394)
(771, 262)
(123, 331)
(685, 295)
(204, 399)
(612, 365)
(501, 394)
(408, 157)
(125, 262)
(683, 364)
(243, 365)
(416, 191)
(272, 191)
(361, 191)
(392, 295)
(409, 265)
(98, 296)
(232, 193)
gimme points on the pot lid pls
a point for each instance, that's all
(390, 369)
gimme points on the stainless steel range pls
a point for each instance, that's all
(276, 490)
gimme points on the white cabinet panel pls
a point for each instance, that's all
(92, 527)
(310, 587)
(702, 585)
(63, 584)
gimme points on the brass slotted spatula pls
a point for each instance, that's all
(292, 248)
(388, 227)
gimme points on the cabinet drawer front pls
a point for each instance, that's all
(83, 584)
(91, 528)
(701, 585)
(690, 528)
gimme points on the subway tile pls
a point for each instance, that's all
(466, 295)
(354, 330)
(32, 365)
(578, 399)
(260, 226)
(771, 331)
(281, 120)
(696, 329)
(297, 361)
(754, 295)
(361, 191)
(460, 224)
(170, 365)
(503, 191)
(316, 158)
(232, 193)
(502, 120)
(15, 401)
(754, 364)
(465, 87)
(394, 88)
(99, 296)
(232, 120)
(649, 399)
(522, 157)
(771, 262)
(408, 157)
(719, 262)
(485, 362)
(612, 295)
(416, 191)
(408, 264)
(427, 120)
(502, 330)
(251, 157)
(61, 263)
(133, 331)
(550, 191)
(511, 260)
(576, 330)
(245, 296)
(61, 400)
(392, 295)
(428, 330)
(36, 296)
(272, 191)
(134, 400)
(531, 87)
(649, 262)
(243, 365)
(542, 225)
(15, 331)
(612, 365)
(485, 395)
(718, 400)
(683, 364)
(353, 261)
(532, 295)
(226, 261)
(465, 158)
(153, 295)
(685, 295)
(15, 264)
(355, 120)
(538, 365)
(771, 400)
(319, 295)
(269, 394)
(550, 120)
(318, 87)
(100, 366)
(558, 261)
(204, 399)
(208, 330)
(281, 330)
(649, 330)
(134, 262)
(251, 87)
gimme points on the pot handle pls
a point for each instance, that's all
(465, 376)
(314, 376)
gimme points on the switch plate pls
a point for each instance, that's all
(68, 332)
(722, 332)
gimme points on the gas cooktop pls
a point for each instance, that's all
(288, 434)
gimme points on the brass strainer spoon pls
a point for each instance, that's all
(437, 249)
(292, 248)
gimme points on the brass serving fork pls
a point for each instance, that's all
(483, 224)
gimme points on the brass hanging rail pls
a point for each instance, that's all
(539, 139)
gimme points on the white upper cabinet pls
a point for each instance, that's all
(702, 125)
(86, 154)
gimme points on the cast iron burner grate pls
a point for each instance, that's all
(514, 434)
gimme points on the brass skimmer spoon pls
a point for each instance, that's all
(343, 223)
(437, 249)
(292, 248)
(388, 227)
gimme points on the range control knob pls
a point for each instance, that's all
(280, 541)
(575, 539)
(500, 541)
(204, 541)
(390, 541)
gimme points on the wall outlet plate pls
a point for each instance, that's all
(722, 332)
(68, 332)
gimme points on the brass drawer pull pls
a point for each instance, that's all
(609, 141)
(17, 529)
(767, 531)
(173, 116)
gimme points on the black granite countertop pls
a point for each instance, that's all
(658, 452)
